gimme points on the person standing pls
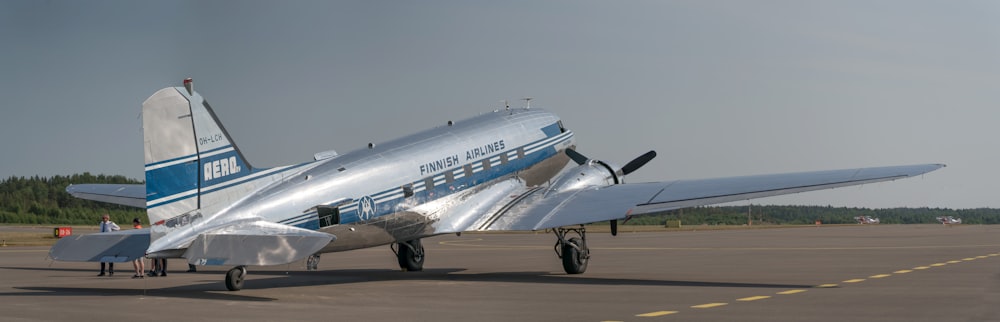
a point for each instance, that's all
(138, 264)
(159, 267)
(108, 226)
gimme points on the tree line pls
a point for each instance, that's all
(44, 200)
(807, 215)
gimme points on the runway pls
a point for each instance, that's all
(855, 273)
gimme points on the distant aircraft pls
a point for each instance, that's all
(949, 220)
(499, 171)
(866, 220)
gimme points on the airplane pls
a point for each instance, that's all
(949, 220)
(866, 220)
(505, 170)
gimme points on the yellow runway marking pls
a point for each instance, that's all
(968, 259)
(474, 243)
(902, 271)
(991, 255)
(954, 262)
(922, 267)
(791, 292)
(880, 276)
(708, 305)
(753, 298)
(938, 264)
(657, 313)
(981, 256)
(856, 280)
(826, 285)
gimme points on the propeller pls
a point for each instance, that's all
(637, 163)
(580, 159)
(629, 167)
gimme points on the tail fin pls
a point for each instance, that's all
(190, 158)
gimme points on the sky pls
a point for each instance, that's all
(717, 88)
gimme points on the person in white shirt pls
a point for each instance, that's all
(107, 226)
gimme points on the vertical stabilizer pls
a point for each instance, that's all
(190, 158)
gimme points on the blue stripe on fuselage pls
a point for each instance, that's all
(255, 173)
(387, 204)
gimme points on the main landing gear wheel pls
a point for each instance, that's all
(235, 278)
(574, 251)
(410, 255)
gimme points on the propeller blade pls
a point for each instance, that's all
(637, 163)
(576, 156)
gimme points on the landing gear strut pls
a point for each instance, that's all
(235, 278)
(574, 251)
(410, 255)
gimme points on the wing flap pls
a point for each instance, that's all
(618, 201)
(256, 243)
(117, 246)
(122, 194)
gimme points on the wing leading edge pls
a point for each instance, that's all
(595, 204)
(123, 194)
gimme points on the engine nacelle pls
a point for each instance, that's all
(593, 173)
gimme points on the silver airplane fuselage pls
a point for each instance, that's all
(396, 191)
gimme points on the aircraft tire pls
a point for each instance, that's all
(574, 262)
(409, 260)
(235, 278)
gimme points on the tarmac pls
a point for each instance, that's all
(852, 273)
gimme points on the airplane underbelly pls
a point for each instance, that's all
(383, 230)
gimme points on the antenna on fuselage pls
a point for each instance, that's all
(527, 101)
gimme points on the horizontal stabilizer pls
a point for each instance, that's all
(121, 194)
(256, 243)
(117, 246)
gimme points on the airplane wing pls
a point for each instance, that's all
(255, 243)
(251, 243)
(116, 246)
(534, 209)
(123, 194)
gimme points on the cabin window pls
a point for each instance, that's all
(408, 191)
(468, 170)
(486, 165)
(503, 159)
(449, 177)
(520, 153)
(429, 183)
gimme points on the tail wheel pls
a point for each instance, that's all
(235, 278)
(575, 255)
(411, 256)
